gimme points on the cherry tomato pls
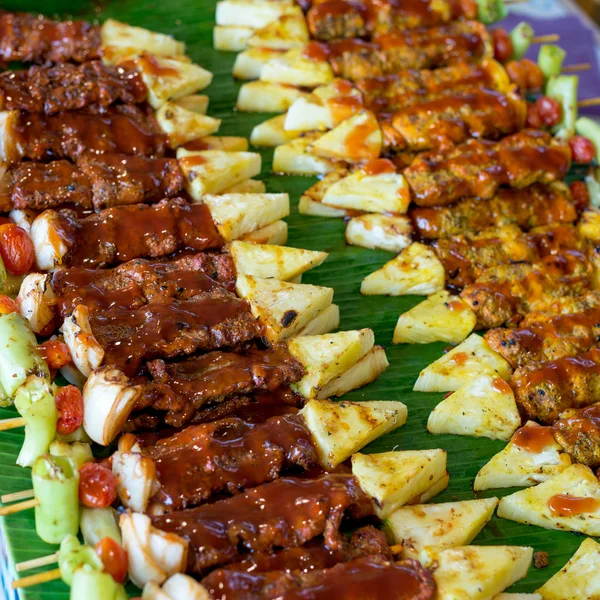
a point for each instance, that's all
(550, 110)
(5, 220)
(582, 149)
(534, 119)
(69, 404)
(503, 48)
(97, 486)
(534, 76)
(7, 305)
(16, 249)
(113, 557)
(580, 194)
(56, 353)
(49, 328)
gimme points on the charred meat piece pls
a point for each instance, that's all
(119, 234)
(578, 432)
(285, 513)
(140, 282)
(541, 338)
(66, 87)
(122, 129)
(545, 390)
(183, 388)
(479, 168)
(533, 206)
(335, 19)
(227, 456)
(27, 37)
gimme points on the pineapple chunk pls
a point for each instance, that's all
(307, 115)
(248, 64)
(355, 139)
(476, 572)
(535, 459)
(326, 357)
(589, 225)
(251, 13)
(439, 525)
(265, 97)
(197, 103)
(381, 193)
(392, 479)
(547, 504)
(416, 270)
(462, 364)
(239, 214)
(212, 171)
(182, 125)
(270, 133)
(249, 186)
(293, 68)
(120, 39)
(228, 38)
(579, 579)
(440, 318)
(279, 262)
(504, 596)
(308, 206)
(433, 490)
(293, 158)
(384, 232)
(483, 407)
(366, 370)
(284, 308)
(226, 143)
(170, 78)
(325, 322)
(287, 32)
(275, 233)
(340, 429)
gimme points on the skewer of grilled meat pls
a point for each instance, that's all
(93, 182)
(423, 48)
(122, 233)
(478, 167)
(67, 87)
(528, 207)
(285, 513)
(27, 37)
(578, 432)
(362, 18)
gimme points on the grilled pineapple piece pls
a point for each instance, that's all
(228, 38)
(169, 78)
(340, 429)
(182, 125)
(287, 32)
(381, 193)
(392, 479)
(462, 364)
(589, 225)
(483, 407)
(433, 490)
(416, 270)
(270, 133)
(308, 206)
(293, 68)
(439, 525)
(239, 214)
(293, 158)
(440, 318)
(284, 308)
(266, 97)
(212, 171)
(326, 357)
(197, 103)
(518, 597)
(226, 143)
(364, 371)
(248, 64)
(548, 504)
(120, 39)
(325, 322)
(356, 139)
(476, 572)
(275, 233)
(279, 262)
(579, 579)
(307, 115)
(249, 186)
(384, 232)
(252, 13)
(528, 459)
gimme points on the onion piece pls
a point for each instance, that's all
(50, 247)
(85, 350)
(178, 586)
(36, 300)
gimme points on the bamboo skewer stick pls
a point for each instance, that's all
(589, 102)
(35, 579)
(545, 39)
(34, 563)
(24, 495)
(6, 424)
(577, 67)
(18, 507)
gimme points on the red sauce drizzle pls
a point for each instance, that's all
(533, 438)
(563, 505)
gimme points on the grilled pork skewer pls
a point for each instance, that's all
(578, 432)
